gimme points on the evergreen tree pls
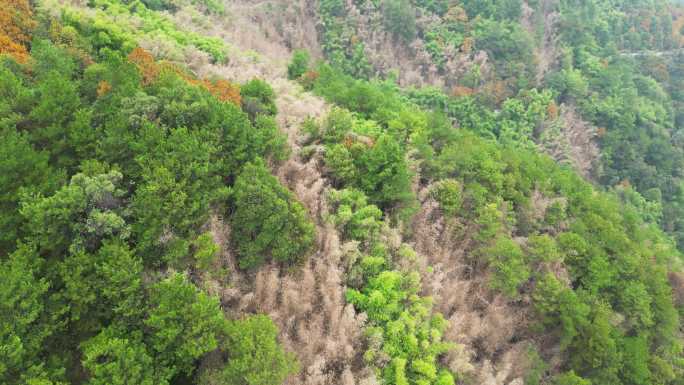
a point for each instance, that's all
(268, 222)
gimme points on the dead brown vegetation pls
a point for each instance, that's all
(570, 139)
(489, 328)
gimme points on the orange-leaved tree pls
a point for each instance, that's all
(16, 24)
(223, 90)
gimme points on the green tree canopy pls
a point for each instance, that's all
(254, 356)
(111, 359)
(183, 322)
(268, 222)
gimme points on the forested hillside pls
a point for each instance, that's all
(342, 192)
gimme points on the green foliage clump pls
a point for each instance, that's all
(78, 216)
(448, 192)
(181, 325)
(211, 6)
(500, 10)
(437, 6)
(359, 155)
(298, 65)
(116, 360)
(258, 98)
(184, 323)
(380, 170)
(115, 25)
(508, 43)
(570, 378)
(25, 321)
(268, 222)
(269, 139)
(342, 52)
(175, 193)
(119, 281)
(206, 251)
(403, 326)
(358, 219)
(255, 356)
(509, 264)
(543, 248)
(23, 170)
(400, 18)
(411, 340)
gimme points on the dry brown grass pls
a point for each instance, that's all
(306, 302)
(489, 328)
(570, 139)
(677, 282)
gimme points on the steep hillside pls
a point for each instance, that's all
(615, 64)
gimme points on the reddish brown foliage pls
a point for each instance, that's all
(552, 110)
(146, 65)
(498, 90)
(16, 24)
(18, 51)
(467, 45)
(348, 142)
(677, 26)
(456, 14)
(223, 90)
(459, 91)
(103, 88)
(308, 79)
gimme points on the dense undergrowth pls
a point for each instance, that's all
(594, 59)
(596, 269)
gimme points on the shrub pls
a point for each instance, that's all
(78, 216)
(570, 378)
(24, 324)
(112, 359)
(510, 267)
(258, 98)
(359, 220)
(411, 335)
(378, 169)
(22, 170)
(206, 251)
(400, 18)
(299, 64)
(255, 357)
(337, 123)
(184, 323)
(543, 248)
(448, 193)
(269, 140)
(268, 222)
